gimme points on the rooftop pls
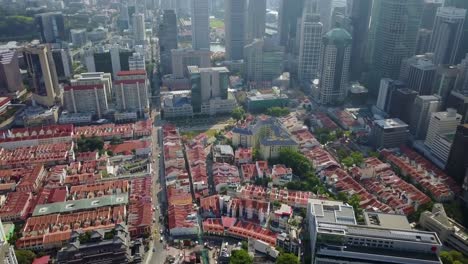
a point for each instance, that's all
(391, 123)
(332, 212)
(394, 221)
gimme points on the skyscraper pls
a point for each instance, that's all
(51, 27)
(200, 25)
(289, 13)
(463, 47)
(207, 84)
(446, 35)
(42, 74)
(234, 17)
(401, 103)
(421, 73)
(256, 13)
(123, 21)
(360, 17)
(424, 106)
(429, 13)
(139, 33)
(444, 81)
(310, 46)
(324, 8)
(167, 39)
(395, 26)
(457, 163)
(10, 76)
(334, 66)
(442, 123)
(263, 61)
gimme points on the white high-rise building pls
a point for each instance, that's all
(447, 33)
(7, 251)
(200, 25)
(442, 123)
(131, 91)
(139, 28)
(334, 66)
(424, 106)
(310, 46)
(234, 17)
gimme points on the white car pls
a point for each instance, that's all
(161, 239)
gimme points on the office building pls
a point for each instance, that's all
(10, 76)
(200, 25)
(63, 63)
(447, 34)
(360, 18)
(423, 41)
(442, 123)
(181, 58)
(256, 15)
(449, 231)
(462, 78)
(459, 100)
(389, 133)
(78, 37)
(331, 212)
(131, 91)
(42, 75)
(424, 106)
(112, 59)
(444, 81)
(108, 245)
(123, 22)
(441, 146)
(263, 61)
(421, 73)
(7, 251)
(51, 27)
(136, 62)
(289, 13)
(401, 104)
(234, 18)
(324, 8)
(139, 33)
(429, 14)
(89, 93)
(386, 91)
(395, 26)
(167, 40)
(334, 66)
(457, 163)
(310, 46)
(209, 89)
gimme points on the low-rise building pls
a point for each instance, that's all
(262, 102)
(281, 175)
(389, 133)
(243, 156)
(223, 154)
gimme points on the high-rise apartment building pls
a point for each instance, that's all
(167, 39)
(395, 26)
(334, 66)
(10, 76)
(263, 61)
(137, 62)
(131, 91)
(360, 17)
(447, 34)
(256, 15)
(424, 106)
(42, 75)
(457, 163)
(182, 58)
(89, 93)
(442, 123)
(139, 33)
(51, 27)
(200, 25)
(310, 46)
(234, 18)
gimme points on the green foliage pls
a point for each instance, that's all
(287, 258)
(17, 27)
(262, 181)
(453, 257)
(374, 154)
(355, 158)
(85, 237)
(240, 257)
(348, 161)
(278, 111)
(296, 161)
(238, 113)
(25, 256)
(276, 203)
(425, 207)
(245, 245)
(90, 144)
(255, 154)
(116, 141)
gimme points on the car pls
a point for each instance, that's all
(157, 207)
(161, 239)
(160, 231)
(154, 249)
(154, 220)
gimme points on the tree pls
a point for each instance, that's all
(278, 111)
(287, 258)
(90, 144)
(296, 161)
(25, 256)
(245, 245)
(238, 113)
(240, 257)
(453, 257)
(357, 157)
(348, 161)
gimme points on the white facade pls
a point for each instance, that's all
(442, 123)
(310, 47)
(85, 99)
(441, 146)
(131, 90)
(200, 25)
(424, 106)
(383, 93)
(137, 62)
